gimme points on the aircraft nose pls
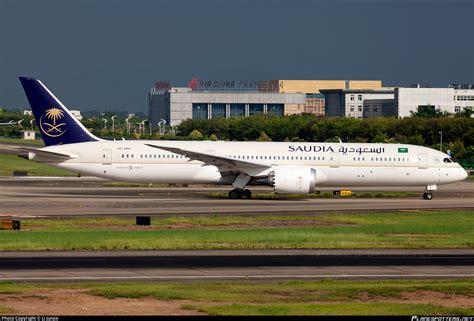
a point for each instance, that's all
(462, 174)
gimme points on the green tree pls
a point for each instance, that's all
(466, 112)
(264, 137)
(429, 111)
(196, 135)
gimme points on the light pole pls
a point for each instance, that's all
(174, 124)
(142, 130)
(441, 141)
(128, 124)
(113, 123)
(31, 123)
(105, 123)
(161, 124)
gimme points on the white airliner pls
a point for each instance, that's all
(287, 167)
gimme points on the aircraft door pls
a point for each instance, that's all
(106, 157)
(334, 159)
(422, 160)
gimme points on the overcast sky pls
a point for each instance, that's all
(106, 55)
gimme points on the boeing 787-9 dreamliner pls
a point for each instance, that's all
(290, 168)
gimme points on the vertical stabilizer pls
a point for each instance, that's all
(56, 123)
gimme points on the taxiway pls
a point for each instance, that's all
(80, 197)
(235, 265)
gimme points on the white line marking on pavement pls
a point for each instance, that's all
(190, 277)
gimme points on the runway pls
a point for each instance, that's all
(235, 265)
(79, 197)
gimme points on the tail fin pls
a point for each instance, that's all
(56, 123)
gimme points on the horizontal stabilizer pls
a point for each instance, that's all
(47, 153)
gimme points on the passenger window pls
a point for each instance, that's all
(447, 160)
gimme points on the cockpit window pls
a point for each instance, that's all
(447, 160)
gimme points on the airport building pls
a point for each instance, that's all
(220, 99)
(217, 99)
(315, 86)
(360, 103)
(452, 99)
(315, 101)
(396, 102)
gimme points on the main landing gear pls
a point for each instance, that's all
(237, 193)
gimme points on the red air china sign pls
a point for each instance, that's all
(163, 85)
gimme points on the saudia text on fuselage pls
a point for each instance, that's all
(330, 149)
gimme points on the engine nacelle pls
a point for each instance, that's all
(292, 180)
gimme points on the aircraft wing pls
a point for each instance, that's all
(47, 153)
(224, 164)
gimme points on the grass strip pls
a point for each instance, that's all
(20, 141)
(10, 163)
(435, 229)
(309, 297)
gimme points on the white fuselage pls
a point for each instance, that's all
(337, 164)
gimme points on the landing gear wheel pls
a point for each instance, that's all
(235, 194)
(427, 196)
(246, 194)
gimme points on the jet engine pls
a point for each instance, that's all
(292, 180)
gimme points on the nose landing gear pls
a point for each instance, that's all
(427, 195)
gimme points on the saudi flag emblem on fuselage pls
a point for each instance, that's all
(402, 149)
